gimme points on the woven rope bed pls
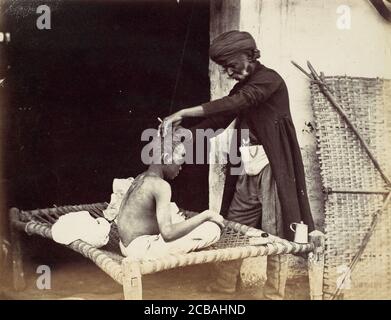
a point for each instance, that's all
(355, 191)
(233, 244)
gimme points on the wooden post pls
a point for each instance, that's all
(132, 280)
(224, 16)
(17, 254)
(316, 269)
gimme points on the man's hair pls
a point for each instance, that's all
(169, 144)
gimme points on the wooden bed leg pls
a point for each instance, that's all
(17, 254)
(315, 271)
(132, 280)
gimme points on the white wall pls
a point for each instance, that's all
(302, 30)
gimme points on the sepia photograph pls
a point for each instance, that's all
(216, 150)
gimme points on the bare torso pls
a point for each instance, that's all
(146, 210)
(137, 214)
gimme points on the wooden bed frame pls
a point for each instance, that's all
(233, 244)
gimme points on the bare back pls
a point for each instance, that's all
(137, 214)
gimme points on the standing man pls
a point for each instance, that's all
(272, 195)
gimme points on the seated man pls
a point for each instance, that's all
(149, 224)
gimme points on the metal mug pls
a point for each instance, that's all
(301, 232)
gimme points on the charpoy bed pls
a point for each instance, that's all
(233, 244)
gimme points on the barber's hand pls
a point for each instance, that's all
(169, 122)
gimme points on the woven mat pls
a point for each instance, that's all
(345, 167)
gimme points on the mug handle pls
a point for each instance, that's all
(293, 224)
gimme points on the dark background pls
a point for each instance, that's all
(81, 93)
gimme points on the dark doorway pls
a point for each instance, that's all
(81, 93)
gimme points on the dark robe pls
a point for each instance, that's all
(262, 100)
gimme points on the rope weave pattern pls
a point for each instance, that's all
(233, 244)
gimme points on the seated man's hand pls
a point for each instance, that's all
(215, 217)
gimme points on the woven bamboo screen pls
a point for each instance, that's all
(355, 188)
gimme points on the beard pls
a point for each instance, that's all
(242, 75)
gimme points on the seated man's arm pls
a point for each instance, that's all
(187, 213)
(168, 230)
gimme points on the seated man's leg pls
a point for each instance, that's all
(203, 236)
(150, 247)
(277, 266)
(142, 247)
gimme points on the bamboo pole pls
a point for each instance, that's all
(326, 91)
(343, 114)
(365, 241)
